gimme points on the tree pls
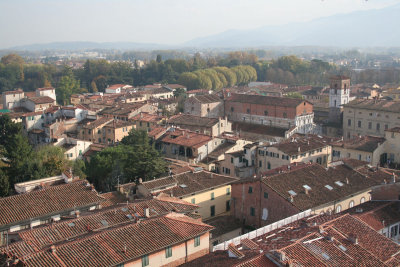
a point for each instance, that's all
(135, 157)
(94, 87)
(79, 168)
(8, 130)
(66, 87)
(12, 59)
(190, 80)
(50, 160)
(4, 184)
(19, 156)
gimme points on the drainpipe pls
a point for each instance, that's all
(186, 252)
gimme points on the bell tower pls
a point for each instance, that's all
(339, 94)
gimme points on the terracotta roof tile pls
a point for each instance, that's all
(186, 138)
(47, 201)
(124, 243)
(42, 99)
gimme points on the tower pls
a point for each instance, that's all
(339, 94)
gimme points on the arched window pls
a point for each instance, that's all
(338, 208)
(351, 204)
(362, 200)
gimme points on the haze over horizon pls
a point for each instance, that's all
(170, 22)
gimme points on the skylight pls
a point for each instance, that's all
(326, 256)
(129, 216)
(342, 247)
(124, 209)
(292, 193)
(104, 222)
(306, 187)
(71, 224)
(329, 187)
(183, 185)
(339, 183)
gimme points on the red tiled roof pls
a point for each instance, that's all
(192, 181)
(186, 138)
(47, 201)
(146, 117)
(97, 123)
(191, 120)
(118, 245)
(362, 143)
(42, 99)
(14, 92)
(266, 100)
(317, 177)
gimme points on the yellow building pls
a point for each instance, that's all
(297, 149)
(211, 192)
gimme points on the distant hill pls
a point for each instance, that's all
(90, 45)
(369, 28)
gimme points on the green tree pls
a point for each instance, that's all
(79, 168)
(8, 130)
(51, 160)
(65, 88)
(4, 184)
(19, 156)
(93, 87)
(135, 157)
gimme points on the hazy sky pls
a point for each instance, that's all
(155, 21)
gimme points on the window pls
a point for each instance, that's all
(370, 125)
(265, 194)
(386, 126)
(348, 122)
(193, 201)
(268, 165)
(231, 159)
(252, 211)
(228, 191)
(266, 112)
(338, 208)
(362, 200)
(232, 109)
(168, 252)
(248, 111)
(197, 241)
(378, 127)
(212, 196)
(228, 205)
(145, 260)
(359, 124)
(351, 204)
(99, 131)
(284, 114)
(250, 189)
(260, 164)
(212, 210)
(394, 230)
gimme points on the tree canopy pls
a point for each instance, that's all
(135, 157)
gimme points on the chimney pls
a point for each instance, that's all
(306, 191)
(53, 248)
(347, 180)
(140, 181)
(353, 239)
(77, 213)
(147, 212)
(298, 149)
(394, 178)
